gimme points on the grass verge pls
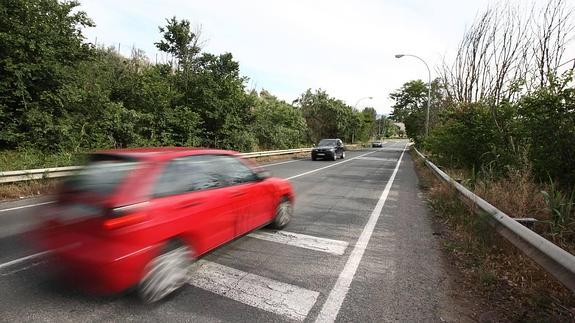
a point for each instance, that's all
(509, 285)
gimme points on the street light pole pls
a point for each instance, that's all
(355, 108)
(428, 89)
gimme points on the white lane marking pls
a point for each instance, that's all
(19, 260)
(267, 294)
(336, 247)
(337, 295)
(376, 158)
(332, 165)
(26, 206)
(281, 163)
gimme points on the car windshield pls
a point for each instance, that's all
(101, 175)
(327, 142)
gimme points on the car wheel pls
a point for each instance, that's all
(283, 215)
(166, 273)
(342, 154)
(334, 156)
(313, 158)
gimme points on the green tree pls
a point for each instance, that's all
(278, 125)
(327, 117)
(547, 126)
(411, 105)
(42, 45)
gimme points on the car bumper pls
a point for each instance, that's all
(325, 154)
(94, 264)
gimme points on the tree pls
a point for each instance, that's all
(411, 104)
(180, 41)
(42, 45)
(327, 117)
(278, 125)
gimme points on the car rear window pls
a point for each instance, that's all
(102, 174)
(327, 142)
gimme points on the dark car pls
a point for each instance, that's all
(139, 217)
(377, 143)
(328, 149)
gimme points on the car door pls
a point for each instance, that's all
(191, 200)
(339, 148)
(253, 199)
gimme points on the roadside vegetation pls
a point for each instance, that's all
(61, 95)
(502, 122)
(503, 114)
(498, 280)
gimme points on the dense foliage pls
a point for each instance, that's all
(522, 120)
(537, 132)
(60, 94)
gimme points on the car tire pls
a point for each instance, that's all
(166, 273)
(342, 154)
(334, 158)
(313, 158)
(284, 213)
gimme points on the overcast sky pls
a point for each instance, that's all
(344, 47)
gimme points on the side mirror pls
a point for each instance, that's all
(313, 145)
(263, 174)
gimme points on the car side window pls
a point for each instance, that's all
(188, 174)
(234, 171)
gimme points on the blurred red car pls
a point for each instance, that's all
(139, 217)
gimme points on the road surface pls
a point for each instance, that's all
(360, 248)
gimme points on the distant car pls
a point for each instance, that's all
(328, 149)
(377, 143)
(139, 217)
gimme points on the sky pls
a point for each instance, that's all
(346, 48)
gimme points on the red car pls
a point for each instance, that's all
(139, 217)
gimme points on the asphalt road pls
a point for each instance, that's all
(360, 248)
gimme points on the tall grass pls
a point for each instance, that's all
(561, 209)
(493, 268)
(32, 158)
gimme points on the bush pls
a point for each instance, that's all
(467, 137)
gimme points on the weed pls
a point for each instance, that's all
(487, 278)
(493, 268)
(561, 207)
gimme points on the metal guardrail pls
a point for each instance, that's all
(42, 173)
(29, 174)
(556, 261)
(275, 152)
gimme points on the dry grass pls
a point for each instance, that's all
(504, 280)
(27, 189)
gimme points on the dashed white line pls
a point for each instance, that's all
(337, 295)
(19, 260)
(267, 294)
(25, 206)
(336, 247)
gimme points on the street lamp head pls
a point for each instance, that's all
(399, 55)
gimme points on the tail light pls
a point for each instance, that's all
(125, 216)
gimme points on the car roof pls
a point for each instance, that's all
(163, 153)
